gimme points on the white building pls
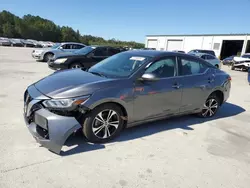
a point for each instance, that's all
(223, 45)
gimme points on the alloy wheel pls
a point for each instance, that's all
(210, 108)
(105, 124)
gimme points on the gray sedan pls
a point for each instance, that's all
(67, 48)
(124, 90)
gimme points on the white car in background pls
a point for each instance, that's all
(242, 62)
(66, 48)
(209, 58)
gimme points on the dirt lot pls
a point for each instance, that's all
(180, 152)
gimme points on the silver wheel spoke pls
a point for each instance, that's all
(114, 124)
(106, 133)
(205, 113)
(100, 118)
(110, 114)
(211, 102)
(214, 106)
(211, 112)
(98, 129)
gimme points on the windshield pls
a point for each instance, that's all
(56, 46)
(86, 50)
(120, 65)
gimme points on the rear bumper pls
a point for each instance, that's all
(51, 130)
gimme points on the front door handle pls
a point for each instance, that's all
(210, 80)
(176, 86)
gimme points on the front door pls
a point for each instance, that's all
(154, 99)
(197, 82)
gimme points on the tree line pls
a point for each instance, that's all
(37, 28)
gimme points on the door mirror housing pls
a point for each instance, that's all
(149, 77)
(61, 48)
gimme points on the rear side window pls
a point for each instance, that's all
(192, 66)
(113, 51)
(101, 52)
(77, 46)
(209, 57)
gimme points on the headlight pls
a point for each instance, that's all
(64, 103)
(61, 60)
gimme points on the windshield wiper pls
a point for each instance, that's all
(98, 74)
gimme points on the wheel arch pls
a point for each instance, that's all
(46, 53)
(219, 94)
(115, 102)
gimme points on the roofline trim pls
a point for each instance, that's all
(187, 35)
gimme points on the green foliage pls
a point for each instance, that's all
(35, 27)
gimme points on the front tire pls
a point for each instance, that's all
(210, 107)
(103, 123)
(48, 56)
(232, 67)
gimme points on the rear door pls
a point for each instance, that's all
(197, 82)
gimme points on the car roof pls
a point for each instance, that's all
(72, 43)
(200, 54)
(152, 53)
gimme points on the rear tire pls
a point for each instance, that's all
(211, 106)
(104, 123)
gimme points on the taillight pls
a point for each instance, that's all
(229, 78)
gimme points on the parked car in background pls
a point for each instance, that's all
(83, 58)
(16, 42)
(180, 51)
(242, 62)
(123, 90)
(211, 52)
(27, 43)
(209, 58)
(228, 60)
(58, 49)
(36, 43)
(4, 41)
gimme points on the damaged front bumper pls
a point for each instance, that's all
(49, 129)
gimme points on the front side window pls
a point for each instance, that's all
(192, 67)
(66, 46)
(163, 68)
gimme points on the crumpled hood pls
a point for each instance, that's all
(238, 59)
(71, 83)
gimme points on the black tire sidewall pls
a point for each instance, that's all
(87, 126)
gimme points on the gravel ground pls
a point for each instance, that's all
(183, 152)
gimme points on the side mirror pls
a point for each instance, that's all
(149, 77)
(61, 48)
